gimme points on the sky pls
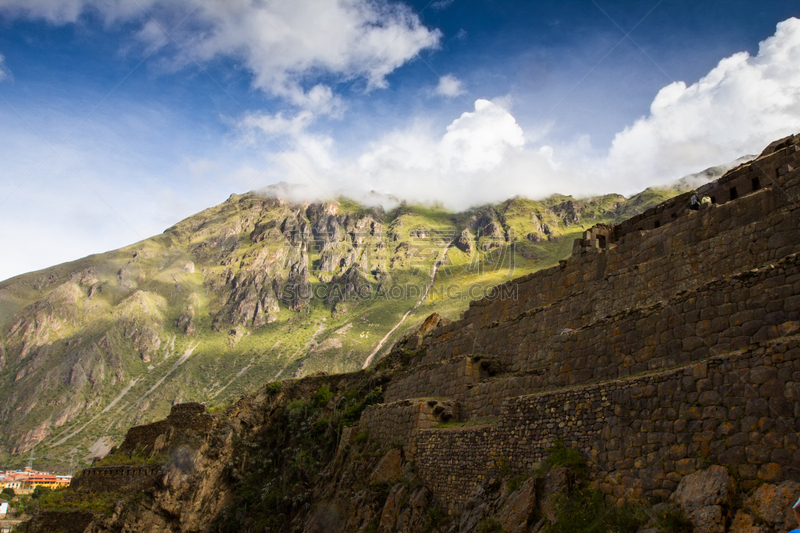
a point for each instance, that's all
(120, 118)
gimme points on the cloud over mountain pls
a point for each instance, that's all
(484, 156)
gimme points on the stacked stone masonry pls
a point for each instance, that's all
(724, 315)
(184, 416)
(640, 434)
(398, 423)
(115, 478)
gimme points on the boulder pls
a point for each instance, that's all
(392, 507)
(772, 504)
(743, 522)
(415, 515)
(557, 483)
(518, 508)
(388, 468)
(705, 497)
(704, 488)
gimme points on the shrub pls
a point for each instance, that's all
(322, 396)
(490, 525)
(673, 520)
(40, 491)
(585, 511)
(562, 456)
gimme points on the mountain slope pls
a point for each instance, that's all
(253, 290)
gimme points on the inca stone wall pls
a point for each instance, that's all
(724, 315)
(115, 478)
(593, 285)
(398, 423)
(184, 416)
(449, 379)
(642, 434)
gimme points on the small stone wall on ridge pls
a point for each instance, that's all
(184, 416)
(123, 478)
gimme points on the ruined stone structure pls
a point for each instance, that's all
(116, 478)
(147, 442)
(661, 344)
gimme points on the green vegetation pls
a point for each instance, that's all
(584, 509)
(490, 525)
(672, 519)
(515, 482)
(559, 455)
(99, 503)
(284, 460)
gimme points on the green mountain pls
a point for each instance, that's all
(253, 290)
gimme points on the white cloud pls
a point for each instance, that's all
(416, 163)
(441, 4)
(4, 72)
(285, 44)
(449, 86)
(737, 108)
(743, 104)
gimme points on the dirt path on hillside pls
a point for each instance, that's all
(413, 309)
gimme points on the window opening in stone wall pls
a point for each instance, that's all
(713, 199)
(734, 194)
(756, 183)
(658, 223)
(601, 240)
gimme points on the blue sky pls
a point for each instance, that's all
(117, 119)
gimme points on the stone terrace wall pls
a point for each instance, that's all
(644, 267)
(398, 423)
(450, 379)
(485, 400)
(115, 478)
(641, 434)
(704, 245)
(721, 316)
